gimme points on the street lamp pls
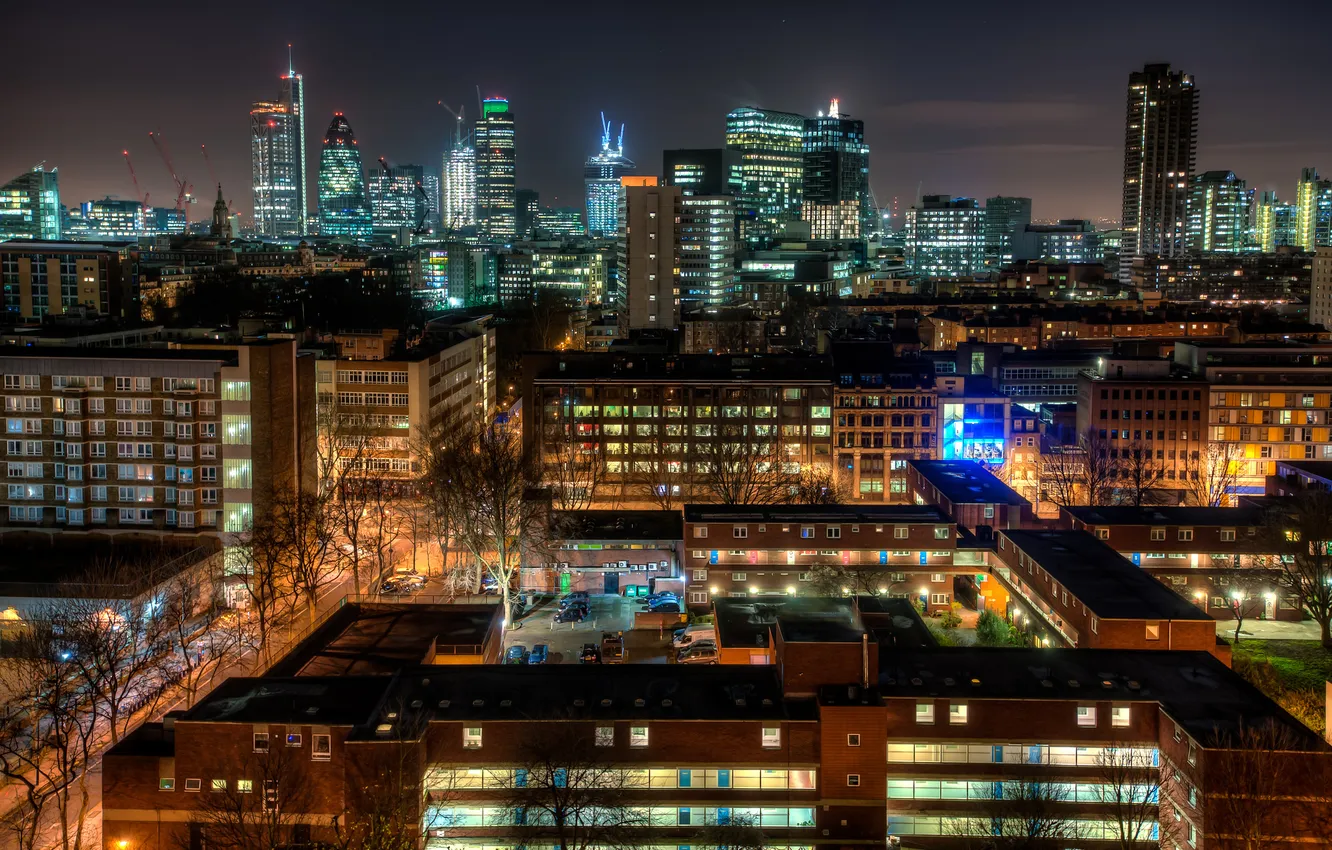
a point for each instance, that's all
(714, 590)
(791, 590)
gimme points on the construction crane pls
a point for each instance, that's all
(212, 175)
(458, 130)
(142, 199)
(183, 189)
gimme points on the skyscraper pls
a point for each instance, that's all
(397, 196)
(770, 146)
(343, 208)
(459, 187)
(1313, 211)
(1218, 212)
(526, 205)
(277, 160)
(707, 249)
(601, 178)
(648, 293)
(702, 171)
(836, 197)
(1160, 148)
(1006, 220)
(496, 170)
(945, 237)
(434, 195)
(30, 206)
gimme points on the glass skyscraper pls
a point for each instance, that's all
(343, 208)
(1006, 219)
(1218, 212)
(1313, 211)
(30, 206)
(277, 161)
(496, 169)
(836, 197)
(945, 237)
(459, 188)
(601, 178)
(770, 146)
(702, 171)
(395, 202)
(707, 249)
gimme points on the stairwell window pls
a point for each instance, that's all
(472, 738)
(321, 747)
(772, 737)
(957, 714)
(924, 713)
(638, 736)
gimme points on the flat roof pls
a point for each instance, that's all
(819, 513)
(1314, 468)
(1168, 515)
(35, 564)
(40, 246)
(965, 482)
(894, 622)
(219, 354)
(1194, 688)
(617, 525)
(379, 639)
(326, 700)
(619, 367)
(800, 619)
(1103, 580)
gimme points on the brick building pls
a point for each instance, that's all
(41, 278)
(181, 441)
(968, 493)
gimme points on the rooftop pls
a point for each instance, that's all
(617, 525)
(1169, 515)
(378, 639)
(224, 355)
(966, 482)
(1107, 583)
(327, 700)
(1197, 691)
(39, 565)
(620, 367)
(819, 513)
(747, 622)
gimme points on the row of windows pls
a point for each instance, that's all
(455, 817)
(122, 384)
(984, 829)
(770, 736)
(675, 411)
(134, 406)
(449, 779)
(1154, 395)
(807, 532)
(357, 376)
(1070, 792)
(1090, 756)
(374, 399)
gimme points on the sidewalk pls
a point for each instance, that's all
(1269, 630)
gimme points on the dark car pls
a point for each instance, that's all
(612, 647)
(539, 655)
(572, 614)
(515, 655)
(403, 583)
(591, 654)
(578, 597)
(666, 608)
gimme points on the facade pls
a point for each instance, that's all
(397, 197)
(115, 219)
(344, 210)
(277, 161)
(152, 441)
(527, 204)
(974, 421)
(703, 171)
(1006, 219)
(30, 206)
(496, 169)
(968, 493)
(770, 147)
(1160, 149)
(1069, 241)
(835, 195)
(1320, 288)
(945, 237)
(42, 279)
(657, 418)
(601, 181)
(707, 249)
(1218, 213)
(1313, 211)
(459, 188)
(622, 552)
(560, 222)
(649, 255)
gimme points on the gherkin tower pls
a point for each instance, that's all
(343, 208)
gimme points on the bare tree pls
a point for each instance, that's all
(1061, 475)
(260, 814)
(1299, 533)
(256, 561)
(816, 486)
(1138, 476)
(303, 530)
(200, 630)
(1212, 481)
(1026, 813)
(345, 465)
(739, 833)
(661, 476)
(1127, 786)
(574, 468)
(742, 469)
(572, 797)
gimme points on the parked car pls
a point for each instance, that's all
(591, 654)
(489, 585)
(580, 597)
(703, 653)
(403, 583)
(665, 608)
(515, 655)
(690, 636)
(612, 647)
(661, 594)
(572, 614)
(539, 654)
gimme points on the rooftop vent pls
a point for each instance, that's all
(392, 715)
(767, 701)
(640, 702)
(1074, 683)
(666, 703)
(505, 703)
(445, 703)
(975, 682)
(1133, 685)
(1046, 683)
(383, 729)
(1107, 684)
(740, 701)
(948, 680)
(314, 709)
(416, 703)
(606, 703)
(579, 703)
(478, 703)
(915, 680)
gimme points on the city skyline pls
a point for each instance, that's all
(933, 121)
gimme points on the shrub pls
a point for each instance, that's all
(991, 630)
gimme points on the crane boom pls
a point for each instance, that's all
(181, 189)
(141, 198)
(212, 175)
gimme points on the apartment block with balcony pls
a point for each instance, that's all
(761, 551)
(661, 421)
(1073, 590)
(1212, 557)
(154, 441)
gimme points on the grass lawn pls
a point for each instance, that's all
(1297, 663)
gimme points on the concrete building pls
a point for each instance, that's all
(189, 440)
(649, 255)
(52, 278)
(1320, 289)
(945, 236)
(707, 250)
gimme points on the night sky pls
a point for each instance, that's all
(962, 97)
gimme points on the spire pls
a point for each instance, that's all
(833, 110)
(221, 228)
(290, 68)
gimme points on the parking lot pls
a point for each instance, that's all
(606, 613)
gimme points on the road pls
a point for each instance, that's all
(1269, 630)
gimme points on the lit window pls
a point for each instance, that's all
(219, 785)
(472, 738)
(772, 737)
(638, 736)
(1119, 716)
(244, 786)
(1086, 715)
(957, 714)
(605, 736)
(166, 783)
(261, 742)
(321, 747)
(924, 712)
(853, 780)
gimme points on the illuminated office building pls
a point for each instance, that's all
(601, 178)
(1160, 148)
(835, 184)
(945, 237)
(114, 219)
(526, 205)
(770, 146)
(277, 160)
(30, 206)
(292, 93)
(560, 222)
(459, 187)
(1313, 211)
(430, 181)
(1218, 212)
(397, 196)
(703, 171)
(707, 249)
(1006, 219)
(343, 207)
(496, 171)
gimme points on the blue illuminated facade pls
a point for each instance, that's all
(975, 420)
(602, 180)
